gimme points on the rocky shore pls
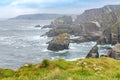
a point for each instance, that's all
(99, 25)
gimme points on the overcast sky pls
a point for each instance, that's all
(11, 8)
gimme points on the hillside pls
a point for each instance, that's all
(82, 69)
(36, 17)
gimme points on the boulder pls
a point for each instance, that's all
(93, 53)
(60, 42)
(115, 52)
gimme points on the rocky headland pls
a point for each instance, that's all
(101, 25)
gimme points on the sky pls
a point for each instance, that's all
(12, 8)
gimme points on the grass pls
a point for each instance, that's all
(82, 69)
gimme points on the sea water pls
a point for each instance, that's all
(21, 42)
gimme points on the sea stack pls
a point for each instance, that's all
(59, 42)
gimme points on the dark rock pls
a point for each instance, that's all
(93, 53)
(60, 42)
(37, 26)
(115, 52)
(47, 26)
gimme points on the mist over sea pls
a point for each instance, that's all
(21, 42)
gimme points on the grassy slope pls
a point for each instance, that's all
(82, 69)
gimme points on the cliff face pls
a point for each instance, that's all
(105, 16)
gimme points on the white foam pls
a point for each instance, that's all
(61, 52)
(2, 38)
(29, 28)
(45, 50)
(44, 37)
(105, 46)
(74, 37)
(44, 44)
(36, 37)
(54, 58)
(7, 40)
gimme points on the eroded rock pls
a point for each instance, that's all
(115, 52)
(60, 42)
(93, 53)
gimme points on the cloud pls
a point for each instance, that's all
(10, 8)
(44, 3)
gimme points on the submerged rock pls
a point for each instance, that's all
(60, 42)
(115, 52)
(93, 53)
(37, 26)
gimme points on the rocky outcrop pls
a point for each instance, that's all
(105, 16)
(110, 36)
(59, 30)
(115, 52)
(60, 42)
(60, 25)
(93, 53)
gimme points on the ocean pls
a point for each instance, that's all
(21, 42)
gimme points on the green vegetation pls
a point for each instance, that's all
(82, 69)
(61, 37)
